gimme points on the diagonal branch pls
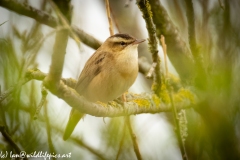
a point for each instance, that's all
(10, 140)
(47, 19)
(178, 52)
(134, 139)
(201, 75)
(145, 8)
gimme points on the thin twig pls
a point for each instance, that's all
(121, 142)
(2, 111)
(42, 102)
(221, 4)
(115, 21)
(10, 90)
(191, 29)
(10, 140)
(178, 129)
(133, 136)
(64, 21)
(48, 128)
(151, 71)
(143, 65)
(127, 3)
(3, 23)
(164, 46)
(134, 139)
(89, 148)
(109, 17)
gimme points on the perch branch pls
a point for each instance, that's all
(138, 103)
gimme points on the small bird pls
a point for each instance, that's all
(107, 74)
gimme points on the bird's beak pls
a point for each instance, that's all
(138, 41)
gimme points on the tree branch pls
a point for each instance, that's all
(145, 8)
(137, 103)
(55, 73)
(178, 129)
(45, 18)
(201, 75)
(178, 52)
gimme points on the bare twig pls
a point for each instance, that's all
(115, 21)
(121, 142)
(49, 134)
(10, 140)
(109, 17)
(178, 129)
(3, 23)
(127, 3)
(144, 65)
(145, 8)
(221, 4)
(151, 70)
(89, 148)
(2, 112)
(6, 93)
(64, 21)
(42, 102)
(134, 138)
(164, 46)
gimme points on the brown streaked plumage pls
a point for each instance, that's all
(107, 74)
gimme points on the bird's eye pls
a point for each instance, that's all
(123, 43)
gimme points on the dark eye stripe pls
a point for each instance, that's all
(123, 43)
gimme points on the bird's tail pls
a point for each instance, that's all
(73, 120)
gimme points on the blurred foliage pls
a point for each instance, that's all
(213, 125)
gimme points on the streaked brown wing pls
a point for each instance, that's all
(91, 69)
